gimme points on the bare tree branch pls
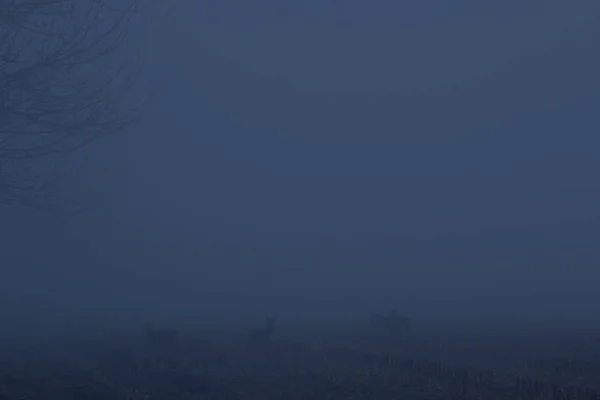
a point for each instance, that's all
(63, 84)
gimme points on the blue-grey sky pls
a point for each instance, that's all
(348, 155)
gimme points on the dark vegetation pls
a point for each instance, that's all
(373, 359)
(66, 80)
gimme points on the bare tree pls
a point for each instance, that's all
(64, 82)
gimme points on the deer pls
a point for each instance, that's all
(259, 339)
(392, 324)
(161, 337)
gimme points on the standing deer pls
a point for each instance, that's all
(392, 325)
(259, 339)
(161, 337)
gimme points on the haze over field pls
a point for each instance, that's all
(323, 160)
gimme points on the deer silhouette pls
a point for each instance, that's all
(259, 339)
(392, 324)
(161, 336)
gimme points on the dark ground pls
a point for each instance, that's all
(324, 362)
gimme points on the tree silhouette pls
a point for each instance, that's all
(63, 84)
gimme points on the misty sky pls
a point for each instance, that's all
(344, 155)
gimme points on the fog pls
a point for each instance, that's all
(320, 161)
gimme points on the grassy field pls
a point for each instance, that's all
(301, 363)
